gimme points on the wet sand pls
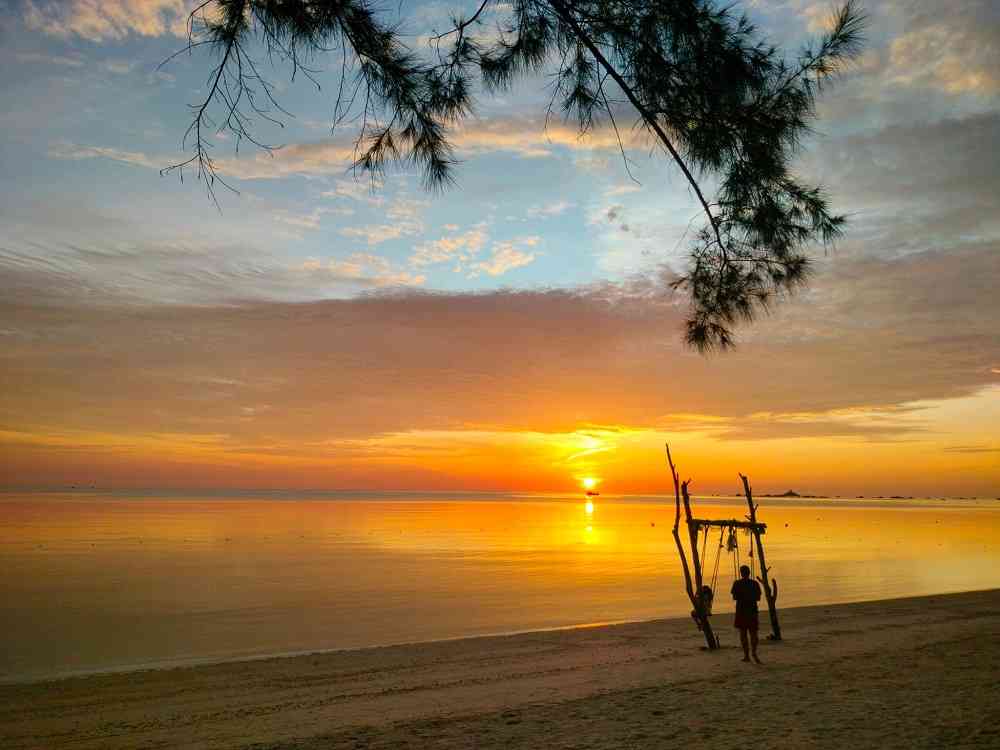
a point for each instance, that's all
(914, 673)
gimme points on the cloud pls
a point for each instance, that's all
(853, 360)
(870, 423)
(958, 52)
(119, 67)
(66, 150)
(532, 138)
(820, 17)
(971, 449)
(298, 159)
(100, 20)
(617, 190)
(370, 268)
(916, 186)
(181, 273)
(550, 209)
(37, 57)
(357, 190)
(872, 334)
(406, 215)
(920, 64)
(525, 137)
(504, 257)
(407, 209)
(464, 248)
(460, 247)
(312, 220)
(375, 234)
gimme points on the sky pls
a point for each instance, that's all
(514, 332)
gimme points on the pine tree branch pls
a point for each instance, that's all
(648, 117)
(461, 27)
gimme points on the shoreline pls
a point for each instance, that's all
(837, 668)
(182, 663)
(196, 662)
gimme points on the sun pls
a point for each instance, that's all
(588, 483)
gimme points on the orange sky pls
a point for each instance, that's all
(525, 391)
(517, 331)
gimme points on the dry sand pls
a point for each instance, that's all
(906, 673)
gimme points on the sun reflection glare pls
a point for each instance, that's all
(589, 507)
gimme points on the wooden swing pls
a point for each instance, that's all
(701, 594)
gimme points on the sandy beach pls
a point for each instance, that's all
(917, 672)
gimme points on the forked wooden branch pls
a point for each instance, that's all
(700, 615)
(770, 587)
(677, 537)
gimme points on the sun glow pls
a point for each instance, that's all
(589, 507)
(588, 483)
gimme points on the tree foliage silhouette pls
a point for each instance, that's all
(728, 108)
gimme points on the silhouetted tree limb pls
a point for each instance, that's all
(701, 81)
(693, 587)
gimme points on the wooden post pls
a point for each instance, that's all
(694, 595)
(693, 536)
(770, 589)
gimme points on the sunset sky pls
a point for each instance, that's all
(514, 332)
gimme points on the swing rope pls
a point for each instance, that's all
(718, 559)
(734, 538)
(704, 549)
(730, 542)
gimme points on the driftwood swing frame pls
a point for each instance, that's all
(694, 583)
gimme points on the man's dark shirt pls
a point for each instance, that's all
(746, 592)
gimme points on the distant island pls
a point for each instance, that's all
(793, 493)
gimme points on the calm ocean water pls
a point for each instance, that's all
(112, 581)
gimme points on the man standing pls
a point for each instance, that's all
(746, 592)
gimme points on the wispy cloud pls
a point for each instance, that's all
(457, 247)
(39, 58)
(358, 190)
(98, 20)
(375, 234)
(532, 138)
(297, 159)
(957, 54)
(368, 267)
(311, 220)
(528, 138)
(66, 150)
(973, 449)
(846, 358)
(550, 209)
(183, 273)
(624, 189)
(504, 257)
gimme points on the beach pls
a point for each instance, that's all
(912, 672)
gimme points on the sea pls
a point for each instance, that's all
(98, 581)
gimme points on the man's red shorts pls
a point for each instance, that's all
(747, 621)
